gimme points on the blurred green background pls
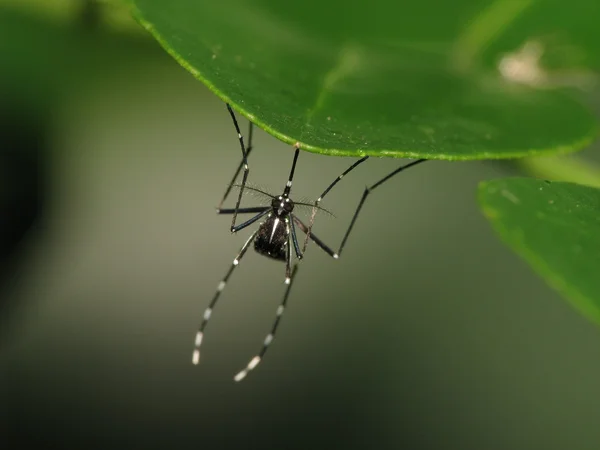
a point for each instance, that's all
(428, 333)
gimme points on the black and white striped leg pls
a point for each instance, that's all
(208, 311)
(325, 192)
(239, 168)
(269, 338)
(366, 193)
(244, 163)
(314, 238)
(288, 185)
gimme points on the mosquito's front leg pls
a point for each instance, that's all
(238, 170)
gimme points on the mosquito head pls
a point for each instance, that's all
(282, 205)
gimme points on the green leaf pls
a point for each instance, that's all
(567, 31)
(554, 227)
(355, 78)
(114, 14)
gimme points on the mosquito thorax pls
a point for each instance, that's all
(282, 205)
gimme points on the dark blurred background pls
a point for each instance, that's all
(427, 334)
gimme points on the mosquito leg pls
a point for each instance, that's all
(208, 311)
(250, 221)
(239, 168)
(253, 209)
(325, 192)
(269, 338)
(366, 193)
(288, 260)
(295, 237)
(244, 163)
(288, 185)
(315, 239)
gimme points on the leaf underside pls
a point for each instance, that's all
(357, 78)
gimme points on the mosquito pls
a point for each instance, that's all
(276, 234)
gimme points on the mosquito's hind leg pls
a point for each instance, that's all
(269, 338)
(208, 311)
